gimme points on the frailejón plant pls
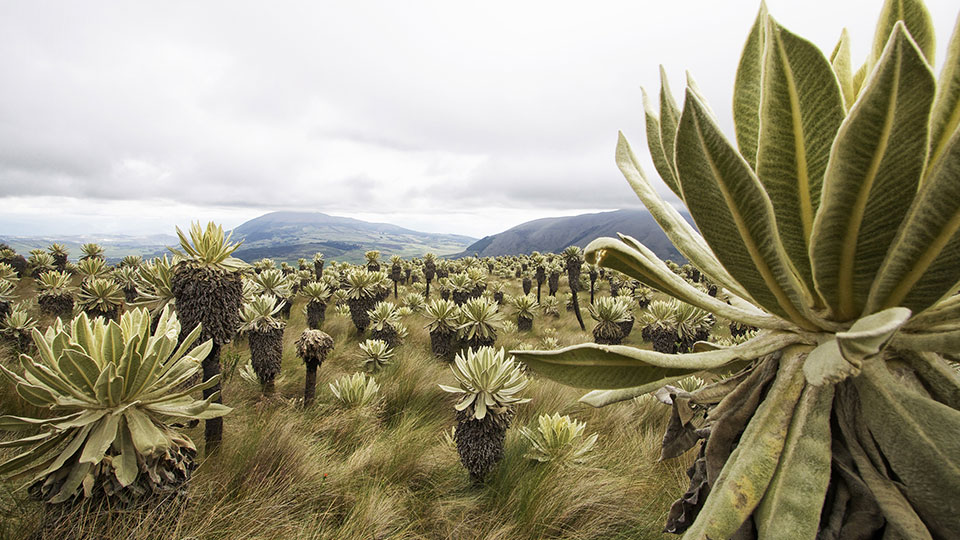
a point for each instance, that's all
(833, 224)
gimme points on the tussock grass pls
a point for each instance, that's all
(384, 471)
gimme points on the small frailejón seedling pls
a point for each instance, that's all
(353, 391)
(833, 224)
(376, 354)
(114, 388)
(490, 383)
(559, 439)
(17, 325)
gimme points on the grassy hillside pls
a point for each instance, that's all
(288, 236)
(384, 471)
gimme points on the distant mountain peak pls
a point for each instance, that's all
(553, 234)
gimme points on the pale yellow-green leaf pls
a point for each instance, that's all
(945, 116)
(859, 79)
(940, 379)
(80, 370)
(923, 264)
(101, 437)
(618, 366)
(683, 236)
(947, 342)
(842, 65)
(130, 365)
(35, 395)
(918, 437)
(637, 261)
(801, 108)
(745, 476)
(83, 336)
(102, 386)
(734, 213)
(669, 118)
(48, 378)
(913, 14)
(869, 335)
(602, 398)
(69, 487)
(872, 176)
(27, 460)
(112, 344)
(826, 366)
(78, 436)
(793, 502)
(747, 89)
(125, 465)
(147, 438)
(655, 145)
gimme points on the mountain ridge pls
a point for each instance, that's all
(553, 234)
(288, 236)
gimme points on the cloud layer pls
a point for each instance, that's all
(416, 109)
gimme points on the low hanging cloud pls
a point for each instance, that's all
(414, 110)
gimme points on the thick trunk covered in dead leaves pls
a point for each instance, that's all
(524, 323)
(316, 313)
(480, 442)
(358, 312)
(442, 346)
(266, 352)
(213, 298)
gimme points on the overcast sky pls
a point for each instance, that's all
(438, 116)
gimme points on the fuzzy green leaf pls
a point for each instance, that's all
(826, 365)
(872, 176)
(733, 211)
(923, 264)
(747, 89)
(744, 479)
(801, 109)
(637, 261)
(80, 370)
(654, 143)
(687, 240)
(147, 438)
(101, 437)
(35, 395)
(842, 66)
(918, 437)
(792, 504)
(945, 116)
(617, 366)
(913, 14)
(125, 465)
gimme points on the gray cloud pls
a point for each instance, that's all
(398, 108)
